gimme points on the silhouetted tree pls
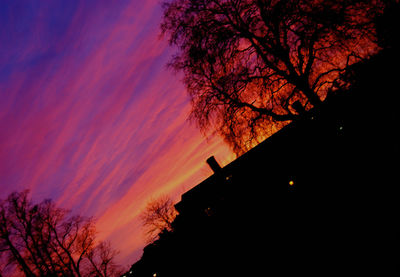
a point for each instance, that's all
(246, 62)
(387, 25)
(158, 217)
(43, 240)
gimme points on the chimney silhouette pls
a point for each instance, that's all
(213, 164)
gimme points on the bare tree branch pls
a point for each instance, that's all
(246, 62)
(158, 216)
(42, 240)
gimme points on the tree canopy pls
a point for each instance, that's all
(246, 62)
(43, 240)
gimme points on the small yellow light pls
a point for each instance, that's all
(291, 183)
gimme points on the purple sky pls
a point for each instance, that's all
(91, 117)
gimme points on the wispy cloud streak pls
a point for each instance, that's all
(91, 117)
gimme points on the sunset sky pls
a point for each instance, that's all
(91, 117)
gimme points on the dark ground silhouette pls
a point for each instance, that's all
(316, 198)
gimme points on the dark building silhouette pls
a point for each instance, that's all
(316, 198)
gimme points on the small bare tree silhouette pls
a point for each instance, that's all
(44, 240)
(157, 217)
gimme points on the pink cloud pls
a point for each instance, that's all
(100, 124)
